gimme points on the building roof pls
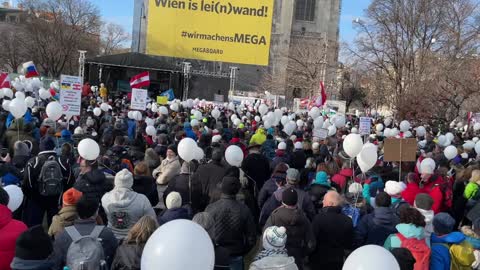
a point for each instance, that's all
(134, 60)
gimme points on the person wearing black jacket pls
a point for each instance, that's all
(333, 232)
(234, 226)
(144, 183)
(256, 167)
(92, 182)
(37, 204)
(189, 190)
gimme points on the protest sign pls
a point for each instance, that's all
(162, 100)
(71, 94)
(320, 133)
(139, 99)
(365, 125)
(400, 150)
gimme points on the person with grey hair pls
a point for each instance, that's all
(222, 255)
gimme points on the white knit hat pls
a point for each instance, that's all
(298, 145)
(282, 146)
(274, 238)
(173, 200)
(78, 131)
(124, 179)
(393, 188)
(216, 138)
(355, 188)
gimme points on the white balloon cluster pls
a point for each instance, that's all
(188, 150)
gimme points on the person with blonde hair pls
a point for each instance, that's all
(472, 188)
(129, 253)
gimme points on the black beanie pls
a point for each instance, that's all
(289, 197)
(33, 244)
(4, 198)
(172, 147)
(217, 154)
(230, 185)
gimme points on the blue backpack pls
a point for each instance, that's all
(353, 213)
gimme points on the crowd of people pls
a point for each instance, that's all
(294, 200)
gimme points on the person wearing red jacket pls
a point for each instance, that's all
(10, 230)
(428, 183)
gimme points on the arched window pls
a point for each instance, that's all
(305, 10)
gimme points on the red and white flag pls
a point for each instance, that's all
(4, 80)
(140, 80)
(323, 96)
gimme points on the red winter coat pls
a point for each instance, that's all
(10, 229)
(341, 178)
(413, 189)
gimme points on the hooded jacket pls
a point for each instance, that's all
(93, 185)
(65, 217)
(10, 230)
(257, 168)
(259, 137)
(16, 133)
(408, 231)
(341, 178)
(189, 132)
(440, 258)
(301, 239)
(182, 184)
(428, 214)
(268, 149)
(126, 205)
(168, 169)
(274, 263)
(374, 228)
(209, 176)
(430, 188)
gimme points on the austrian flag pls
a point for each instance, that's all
(4, 80)
(140, 80)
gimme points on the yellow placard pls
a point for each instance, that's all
(236, 31)
(162, 100)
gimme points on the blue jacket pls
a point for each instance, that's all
(408, 231)
(27, 118)
(190, 134)
(132, 126)
(268, 149)
(374, 228)
(172, 214)
(440, 258)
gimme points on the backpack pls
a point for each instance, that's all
(461, 256)
(419, 249)
(353, 213)
(85, 252)
(397, 206)
(51, 178)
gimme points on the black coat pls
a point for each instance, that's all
(374, 228)
(300, 240)
(334, 234)
(173, 214)
(180, 184)
(257, 168)
(93, 185)
(298, 160)
(146, 185)
(234, 226)
(209, 176)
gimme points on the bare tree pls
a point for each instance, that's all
(421, 51)
(13, 52)
(57, 29)
(113, 38)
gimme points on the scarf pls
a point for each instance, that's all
(271, 253)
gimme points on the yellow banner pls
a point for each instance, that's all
(235, 31)
(162, 100)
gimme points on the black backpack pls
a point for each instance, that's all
(50, 180)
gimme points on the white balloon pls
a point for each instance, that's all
(300, 123)
(421, 131)
(441, 140)
(404, 126)
(468, 145)
(477, 147)
(88, 149)
(150, 130)
(352, 145)
(15, 196)
(97, 111)
(18, 107)
(284, 120)
(332, 130)
(137, 116)
(278, 113)
(387, 133)
(233, 117)
(395, 132)
(174, 107)
(185, 149)
(54, 110)
(198, 115)
(475, 139)
(195, 123)
(215, 113)
(237, 122)
(476, 127)
(2, 93)
(165, 247)
(427, 166)
(7, 92)
(289, 128)
(460, 125)
(44, 94)
(20, 95)
(318, 122)
(30, 101)
(198, 154)
(354, 130)
(388, 121)
(257, 119)
(263, 109)
(234, 155)
(162, 110)
(339, 121)
(104, 106)
(314, 112)
(189, 103)
(367, 157)
(449, 136)
(371, 257)
(379, 127)
(149, 121)
(231, 106)
(450, 152)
